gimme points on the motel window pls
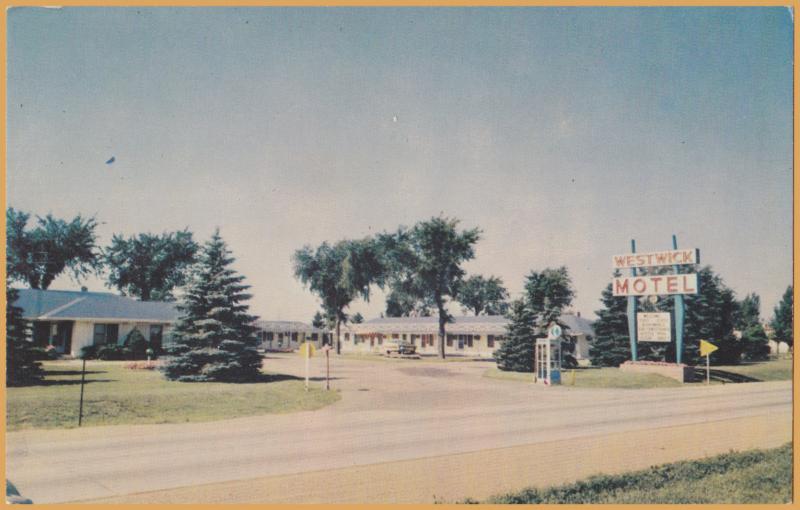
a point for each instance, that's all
(347, 337)
(313, 337)
(404, 336)
(106, 334)
(156, 336)
(269, 336)
(490, 341)
(395, 336)
(449, 340)
(294, 337)
(380, 339)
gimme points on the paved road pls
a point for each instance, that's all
(390, 411)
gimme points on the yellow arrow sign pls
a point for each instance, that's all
(707, 348)
(307, 349)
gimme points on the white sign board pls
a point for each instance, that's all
(656, 258)
(653, 327)
(651, 285)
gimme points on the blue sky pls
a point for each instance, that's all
(562, 133)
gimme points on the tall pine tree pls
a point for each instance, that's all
(710, 315)
(754, 342)
(611, 344)
(516, 350)
(21, 365)
(214, 339)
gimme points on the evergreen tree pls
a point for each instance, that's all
(548, 293)
(516, 350)
(611, 345)
(709, 315)
(755, 344)
(21, 365)
(754, 341)
(215, 337)
(782, 320)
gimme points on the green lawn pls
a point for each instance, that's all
(606, 377)
(756, 476)
(594, 378)
(773, 370)
(115, 395)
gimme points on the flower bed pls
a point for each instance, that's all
(679, 372)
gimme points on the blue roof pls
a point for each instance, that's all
(64, 304)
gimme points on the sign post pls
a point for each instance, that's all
(678, 313)
(307, 350)
(327, 350)
(83, 380)
(676, 284)
(632, 305)
(706, 348)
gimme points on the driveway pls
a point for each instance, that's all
(393, 410)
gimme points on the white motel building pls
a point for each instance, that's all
(69, 321)
(468, 335)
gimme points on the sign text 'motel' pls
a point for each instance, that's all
(654, 285)
(656, 258)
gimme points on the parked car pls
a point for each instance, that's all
(400, 348)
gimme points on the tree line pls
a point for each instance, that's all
(144, 266)
(713, 314)
(419, 267)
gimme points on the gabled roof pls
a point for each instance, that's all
(71, 305)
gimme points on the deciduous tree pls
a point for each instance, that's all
(425, 263)
(338, 274)
(481, 295)
(37, 256)
(149, 266)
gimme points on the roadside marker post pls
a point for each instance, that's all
(706, 348)
(327, 350)
(80, 406)
(307, 350)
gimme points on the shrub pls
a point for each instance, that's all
(39, 354)
(136, 343)
(113, 352)
(88, 352)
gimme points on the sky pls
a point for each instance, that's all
(562, 133)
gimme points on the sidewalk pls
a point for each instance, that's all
(451, 478)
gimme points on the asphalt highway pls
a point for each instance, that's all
(390, 411)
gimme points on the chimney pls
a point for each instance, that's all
(84, 289)
(578, 313)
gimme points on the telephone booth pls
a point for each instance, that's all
(548, 361)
